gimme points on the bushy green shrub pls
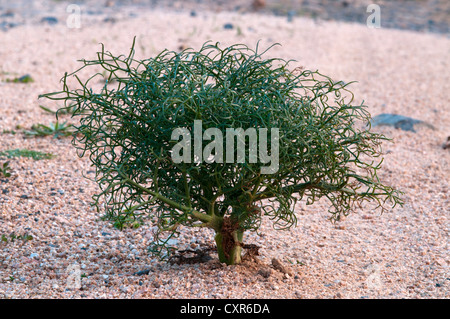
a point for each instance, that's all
(323, 146)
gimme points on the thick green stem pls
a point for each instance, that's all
(229, 246)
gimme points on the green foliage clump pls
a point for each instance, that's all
(125, 127)
(53, 129)
(23, 79)
(13, 237)
(36, 155)
(5, 169)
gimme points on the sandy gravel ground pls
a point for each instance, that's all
(400, 254)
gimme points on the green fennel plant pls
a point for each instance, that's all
(325, 149)
(5, 170)
(55, 129)
(36, 155)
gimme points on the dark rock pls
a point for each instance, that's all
(228, 26)
(94, 12)
(446, 144)
(193, 13)
(189, 256)
(5, 26)
(406, 125)
(265, 272)
(290, 15)
(398, 121)
(142, 272)
(110, 20)
(7, 14)
(49, 20)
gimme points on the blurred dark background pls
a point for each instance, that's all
(417, 15)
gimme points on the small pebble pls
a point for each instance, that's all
(49, 20)
(7, 14)
(228, 26)
(290, 15)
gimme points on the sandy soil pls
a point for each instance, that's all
(400, 254)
